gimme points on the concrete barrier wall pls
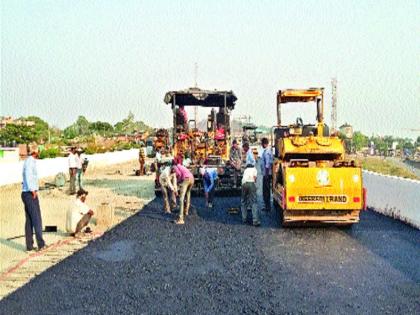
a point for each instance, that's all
(11, 173)
(394, 196)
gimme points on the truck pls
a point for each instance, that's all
(313, 181)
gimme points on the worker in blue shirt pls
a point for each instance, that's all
(266, 169)
(209, 183)
(30, 200)
(249, 155)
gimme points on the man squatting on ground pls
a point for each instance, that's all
(249, 195)
(79, 214)
(209, 184)
(235, 157)
(167, 181)
(266, 168)
(185, 180)
(30, 200)
(72, 159)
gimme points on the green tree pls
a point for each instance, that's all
(70, 132)
(79, 128)
(380, 144)
(83, 126)
(40, 129)
(14, 133)
(102, 128)
(359, 140)
(407, 144)
(127, 125)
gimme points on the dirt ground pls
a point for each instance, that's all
(114, 195)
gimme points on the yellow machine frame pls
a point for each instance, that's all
(312, 181)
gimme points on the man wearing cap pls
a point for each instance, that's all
(249, 195)
(185, 180)
(72, 159)
(30, 200)
(79, 214)
(209, 184)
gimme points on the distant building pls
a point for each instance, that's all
(346, 130)
(8, 120)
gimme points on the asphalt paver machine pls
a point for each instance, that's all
(210, 146)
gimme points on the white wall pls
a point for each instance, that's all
(11, 173)
(394, 196)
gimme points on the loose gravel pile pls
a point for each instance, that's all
(214, 264)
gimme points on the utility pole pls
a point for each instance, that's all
(334, 105)
(195, 85)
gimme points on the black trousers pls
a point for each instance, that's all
(33, 220)
(267, 191)
(211, 193)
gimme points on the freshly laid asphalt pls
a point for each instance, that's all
(214, 264)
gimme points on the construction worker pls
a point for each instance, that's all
(72, 160)
(30, 200)
(220, 132)
(142, 159)
(182, 118)
(249, 156)
(80, 169)
(187, 159)
(185, 181)
(79, 214)
(209, 184)
(266, 168)
(167, 181)
(249, 195)
(235, 158)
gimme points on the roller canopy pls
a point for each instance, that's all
(204, 98)
(292, 95)
(249, 127)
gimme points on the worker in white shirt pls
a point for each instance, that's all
(72, 170)
(80, 171)
(249, 195)
(79, 214)
(168, 185)
(158, 157)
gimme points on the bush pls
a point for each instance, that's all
(49, 153)
(90, 149)
(93, 148)
(123, 146)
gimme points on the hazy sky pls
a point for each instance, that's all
(101, 59)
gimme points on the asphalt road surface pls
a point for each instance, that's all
(214, 264)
